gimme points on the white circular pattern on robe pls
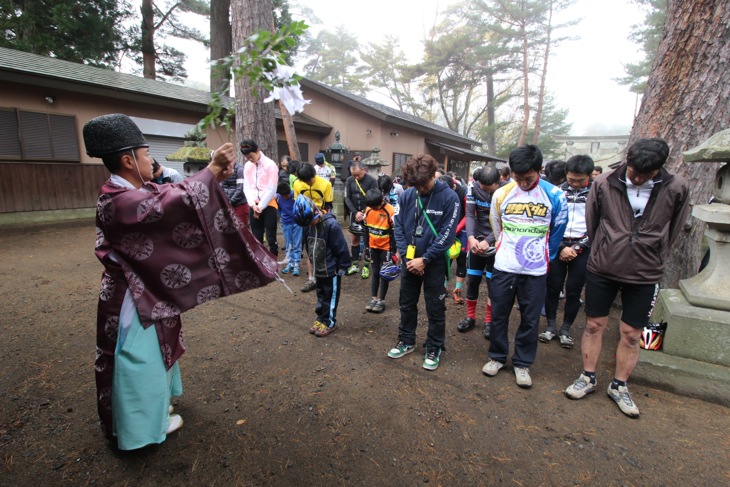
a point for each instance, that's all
(181, 339)
(149, 210)
(135, 284)
(105, 208)
(209, 293)
(224, 223)
(100, 361)
(99, 238)
(246, 280)
(107, 287)
(168, 322)
(197, 195)
(187, 235)
(111, 328)
(164, 309)
(105, 397)
(219, 257)
(176, 276)
(137, 245)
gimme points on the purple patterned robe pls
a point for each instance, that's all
(176, 246)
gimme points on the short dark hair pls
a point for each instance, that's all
(504, 172)
(113, 161)
(306, 172)
(525, 159)
(598, 168)
(420, 169)
(488, 176)
(248, 146)
(580, 164)
(448, 180)
(385, 183)
(283, 188)
(294, 167)
(374, 198)
(647, 155)
(555, 171)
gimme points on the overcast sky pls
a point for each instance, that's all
(580, 73)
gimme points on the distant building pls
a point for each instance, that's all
(606, 150)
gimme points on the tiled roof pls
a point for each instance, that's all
(18, 65)
(387, 113)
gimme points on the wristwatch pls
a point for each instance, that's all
(425, 260)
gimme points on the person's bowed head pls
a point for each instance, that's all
(306, 212)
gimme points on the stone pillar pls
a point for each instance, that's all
(695, 357)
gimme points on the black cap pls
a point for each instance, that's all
(112, 133)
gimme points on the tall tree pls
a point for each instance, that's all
(685, 102)
(332, 58)
(648, 34)
(221, 43)
(163, 17)
(254, 117)
(82, 32)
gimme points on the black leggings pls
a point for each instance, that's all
(266, 221)
(376, 282)
(477, 266)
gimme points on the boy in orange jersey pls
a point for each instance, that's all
(379, 245)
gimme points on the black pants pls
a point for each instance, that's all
(328, 297)
(530, 293)
(376, 282)
(434, 294)
(575, 272)
(266, 221)
(476, 267)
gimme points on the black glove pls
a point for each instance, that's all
(366, 255)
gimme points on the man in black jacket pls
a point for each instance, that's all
(356, 187)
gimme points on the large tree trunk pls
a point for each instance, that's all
(686, 101)
(221, 43)
(254, 118)
(149, 57)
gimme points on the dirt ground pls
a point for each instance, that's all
(266, 403)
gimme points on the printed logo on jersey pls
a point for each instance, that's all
(528, 209)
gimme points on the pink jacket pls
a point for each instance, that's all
(259, 181)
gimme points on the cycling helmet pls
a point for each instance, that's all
(652, 336)
(389, 271)
(305, 211)
(356, 228)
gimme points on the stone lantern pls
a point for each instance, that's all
(336, 154)
(373, 163)
(694, 359)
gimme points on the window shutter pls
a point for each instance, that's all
(9, 141)
(35, 135)
(64, 142)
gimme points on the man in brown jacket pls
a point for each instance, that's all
(633, 215)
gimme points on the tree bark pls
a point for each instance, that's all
(685, 102)
(149, 57)
(221, 43)
(525, 87)
(254, 118)
(491, 116)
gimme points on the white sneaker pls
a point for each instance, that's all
(581, 387)
(623, 400)
(522, 376)
(491, 368)
(176, 422)
(546, 336)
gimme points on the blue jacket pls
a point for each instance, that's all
(326, 247)
(443, 209)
